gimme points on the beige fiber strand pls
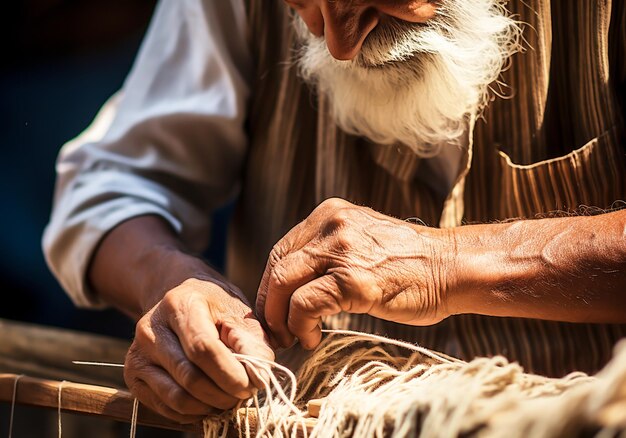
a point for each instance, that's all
(59, 408)
(13, 398)
(133, 418)
(374, 386)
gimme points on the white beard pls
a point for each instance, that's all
(416, 84)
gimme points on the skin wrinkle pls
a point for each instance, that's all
(411, 300)
(404, 292)
(373, 267)
(356, 271)
(141, 386)
(198, 346)
(346, 300)
(343, 302)
(461, 51)
(452, 266)
(434, 294)
(407, 256)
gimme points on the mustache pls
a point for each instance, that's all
(392, 41)
(458, 25)
(415, 83)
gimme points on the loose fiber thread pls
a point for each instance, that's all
(59, 408)
(372, 388)
(13, 399)
(135, 411)
(133, 418)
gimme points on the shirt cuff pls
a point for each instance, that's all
(82, 219)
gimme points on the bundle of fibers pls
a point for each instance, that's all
(373, 386)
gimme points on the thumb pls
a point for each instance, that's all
(248, 337)
(251, 339)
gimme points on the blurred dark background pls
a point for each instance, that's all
(61, 59)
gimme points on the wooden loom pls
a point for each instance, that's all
(41, 359)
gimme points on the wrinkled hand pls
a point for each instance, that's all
(347, 258)
(181, 362)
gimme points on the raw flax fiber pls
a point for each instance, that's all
(377, 387)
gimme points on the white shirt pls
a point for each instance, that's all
(171, 142)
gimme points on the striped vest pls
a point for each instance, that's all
(555, 144)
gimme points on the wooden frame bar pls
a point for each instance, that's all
(104, 402)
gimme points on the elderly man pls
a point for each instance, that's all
(338, 123)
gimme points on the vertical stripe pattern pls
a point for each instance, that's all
(554, 145)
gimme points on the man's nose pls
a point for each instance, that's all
(346, 27)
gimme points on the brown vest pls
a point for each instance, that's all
(555, 144)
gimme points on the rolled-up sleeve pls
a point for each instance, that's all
(171, 142)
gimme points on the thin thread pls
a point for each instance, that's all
(133, 418)
(13, 399)
(101, 364)
(371, 390)
(407, 345)
(59, 407)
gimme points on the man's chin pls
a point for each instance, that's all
(414, 85)
(378, 103)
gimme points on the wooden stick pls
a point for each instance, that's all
(111, 403)
(314, 406)
(48, 352)
(252, 416)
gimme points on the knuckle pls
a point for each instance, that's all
(232, 324)
(333, 204)
(278, 277)
(199, 350)
(169, 301)
(143, 333)
(350, 281)
(300, 304)
(178, 400)
(187, 374)
(343, 242)
(276, 254)
(140, 390)
(135, 363)
(274, 257)
(337, 220)
(252, 325)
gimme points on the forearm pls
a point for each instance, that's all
(567, 269)
(140, 260)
